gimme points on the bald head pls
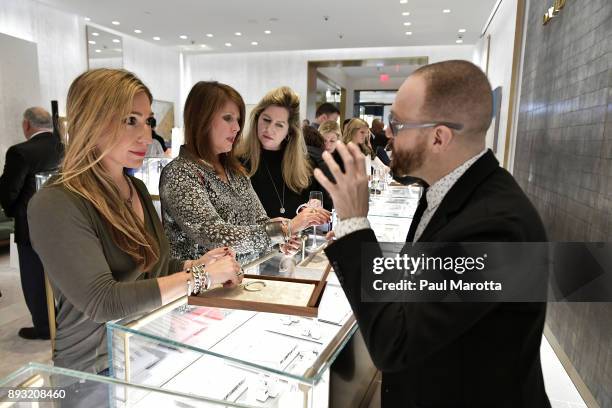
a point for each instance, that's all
(457, 91)
(36, 119)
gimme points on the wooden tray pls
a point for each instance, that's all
(300, 297)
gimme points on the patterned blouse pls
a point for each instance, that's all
(201, 212)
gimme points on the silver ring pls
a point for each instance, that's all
(240, 273)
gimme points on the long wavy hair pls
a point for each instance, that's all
(98, 101)
(349, 131)
(204, 101)
(296, 168)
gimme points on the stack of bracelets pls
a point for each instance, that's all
(201, 280)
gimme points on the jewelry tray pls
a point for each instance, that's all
(300, 297)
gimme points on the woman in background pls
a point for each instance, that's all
(95, 228)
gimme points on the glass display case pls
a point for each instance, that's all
(38, 385)
(391, 212)
(150, 172)
(244, 357)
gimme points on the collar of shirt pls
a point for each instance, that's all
(438, 190)
(39, 132)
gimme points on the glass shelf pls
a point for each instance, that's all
(78, 389)
(240, 356)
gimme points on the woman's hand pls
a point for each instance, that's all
(225, 270)
(292, 246)
(214, 254)
(309, 217)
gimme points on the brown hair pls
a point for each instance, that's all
(312, 137)
(457, 91)
(296, 168)
(204, 101)
(349, 131)
(98, 101)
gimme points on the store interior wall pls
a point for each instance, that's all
(18, 77)
(497, 53)
(563, 160)
(249, 73)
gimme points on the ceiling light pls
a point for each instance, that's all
(203, 45)
(238, 33)
(87, 19)
(115, 23)
(209, 35)
(406, 13)
(446, 11)
(228, 44)
(91, 41)
(116, 41)
(462, 30)
(407, 23)
(156, 38)
(459, 41)
(137, 31)
(408, 32)
(95, 34)
(268, 32)
(183, 37)
(403, 1)
(254, 43)
(98, 50)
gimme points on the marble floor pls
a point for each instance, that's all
(15, 352)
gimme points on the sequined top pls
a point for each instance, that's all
(201, 212)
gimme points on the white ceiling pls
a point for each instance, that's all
(106, 45)
(294, 25)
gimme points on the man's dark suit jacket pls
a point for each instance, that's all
(456, 354)
(18, 184)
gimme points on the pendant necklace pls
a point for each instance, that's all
(129, 182)
(282, 202)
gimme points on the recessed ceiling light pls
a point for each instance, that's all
(209, 35)
(115, 23)
(228, 44)
(268, 32)
(462, 30)
(98, 50)
(254, 43)
(91, 41)
(408, 32)
(403, 1)
(87, 19)
(406, 13)
(115, 40)
(156, 38)
(203, 45)
(446, 11)
(459, 41)
(238, 33)
(407, 23)
(137, 31)
(95, 34)
(183, 37)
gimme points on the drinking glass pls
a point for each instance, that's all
(315, 200)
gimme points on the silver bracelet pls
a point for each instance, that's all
(208, 283)
(189, 287)
(275, 232)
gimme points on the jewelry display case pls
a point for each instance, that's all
(390, 213)
(244, 357)
(38, 385)
(150, 172)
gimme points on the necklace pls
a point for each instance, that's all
(129, 199)
(282, 202)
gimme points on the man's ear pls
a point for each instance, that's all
(442, 138)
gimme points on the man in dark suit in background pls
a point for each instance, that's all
(443, 354)
(40, 152)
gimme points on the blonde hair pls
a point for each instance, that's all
(98, 101)
(296, 168)
(330, 126)
(349, 131)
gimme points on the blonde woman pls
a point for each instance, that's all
(207, 198)
(275, 155)
(95, 228)
(358, 132)
(330, 131)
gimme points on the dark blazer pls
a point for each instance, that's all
(456, 354)
(42, 152)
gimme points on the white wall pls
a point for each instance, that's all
(254, 74)
(501, 30)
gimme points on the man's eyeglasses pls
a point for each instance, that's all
(397, 126)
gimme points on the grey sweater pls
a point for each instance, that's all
(93, 280)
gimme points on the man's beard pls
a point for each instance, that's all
(404, 163)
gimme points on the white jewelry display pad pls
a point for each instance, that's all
(275, 292)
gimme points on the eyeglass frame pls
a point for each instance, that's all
(397, 127)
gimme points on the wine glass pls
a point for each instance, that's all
(315, 200)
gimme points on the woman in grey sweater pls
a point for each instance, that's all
(95, 228)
